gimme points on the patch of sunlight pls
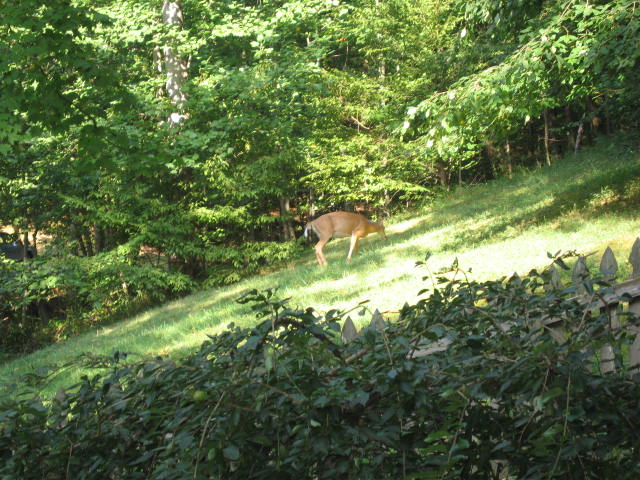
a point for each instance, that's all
(410, 224)
(336, 285)
(475, 223)
(185, 344)
(177, 310)
(424, 238)
(542, 204)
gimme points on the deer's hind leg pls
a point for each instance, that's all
(319, 255)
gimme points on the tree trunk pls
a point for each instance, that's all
(312, 204)
(288, 233)
(507, 159)
(492, 156)
(386, 208)
(443, 174)
(579, 136)
(25, 246)
(546, 137)
(88, 244)
(570, 140)
(35, 243)
(176, 68)
(98, 238)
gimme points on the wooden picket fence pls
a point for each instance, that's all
(609, 300)
(350, 332)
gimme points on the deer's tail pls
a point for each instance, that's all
(307, 230)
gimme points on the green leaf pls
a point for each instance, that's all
(231, 453)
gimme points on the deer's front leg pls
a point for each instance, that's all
(353, 247)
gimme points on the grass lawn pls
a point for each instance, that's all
(584, 202)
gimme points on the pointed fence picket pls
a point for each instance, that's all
(349, 331)
(608, 300)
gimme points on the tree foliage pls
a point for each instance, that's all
(573, 59)
(291, 108)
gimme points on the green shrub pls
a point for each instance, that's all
(52, 297)
(228, 265)
(287, 399)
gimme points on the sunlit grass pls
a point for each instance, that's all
(583, 203)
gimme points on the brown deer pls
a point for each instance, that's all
(341, 224)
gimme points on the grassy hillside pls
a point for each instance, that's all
(584, 203)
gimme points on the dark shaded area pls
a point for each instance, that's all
(17, 251)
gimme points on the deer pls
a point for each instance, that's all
(341, 224)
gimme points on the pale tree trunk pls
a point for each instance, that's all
(507, 159)
(443, 174)
(579, 135)
(175, 68)
(312, 203)
(546, 137)
(382, 68)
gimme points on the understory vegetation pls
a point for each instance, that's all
(288, 399)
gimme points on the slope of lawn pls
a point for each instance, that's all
(583, 202)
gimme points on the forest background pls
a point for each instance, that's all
(151, 148)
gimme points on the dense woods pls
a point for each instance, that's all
(148, 148)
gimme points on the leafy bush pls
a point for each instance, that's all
(51, 297)
(57, 295)
(231, 264)
(288, 399)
